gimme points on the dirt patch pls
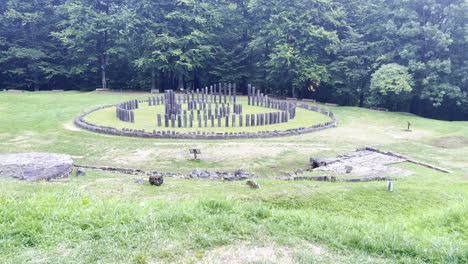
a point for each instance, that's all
(27, 135)
(71, 127)
(248, 253)
(5, 135)
(450, 142)
(400, 133)
(459, 178)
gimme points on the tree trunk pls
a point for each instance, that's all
(180, 82)
(102, 61)
(294, 91)
(361, 95)
(153, 79)
(36, 82)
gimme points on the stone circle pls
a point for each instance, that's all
(216, 106)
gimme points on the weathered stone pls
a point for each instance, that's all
(80, 172)
(319, 162)
(35, 166)
(156, 180)
(252, 184)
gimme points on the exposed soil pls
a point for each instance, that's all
(71, 127)
(248, 253)
(450, 142)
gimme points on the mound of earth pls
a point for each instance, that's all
(35, 166)
(451, 142)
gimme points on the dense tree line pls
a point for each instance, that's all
(405, 55)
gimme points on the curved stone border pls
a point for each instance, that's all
(81, 122)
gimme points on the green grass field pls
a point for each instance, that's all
(145, 118)
(108, 218)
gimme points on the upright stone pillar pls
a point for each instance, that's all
(132, 117)
(248, 93)
(235, 93)
(159, 120)
(172, 120)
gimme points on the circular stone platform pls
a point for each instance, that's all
(215, 112)
(35, 166)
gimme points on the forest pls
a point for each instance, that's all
(403, 55)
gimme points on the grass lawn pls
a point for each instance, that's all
(108, 218)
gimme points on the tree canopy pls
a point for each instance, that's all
(405, 55)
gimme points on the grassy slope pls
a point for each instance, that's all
(109, 220)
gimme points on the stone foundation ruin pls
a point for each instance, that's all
(214, 106)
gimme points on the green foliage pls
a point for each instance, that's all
(326, 50)
(391, 79)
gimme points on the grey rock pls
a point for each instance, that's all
(348, 169)
(320, 162)
(156, 180)
(299, 171)
(80, 172)
(239, 172)
(35, 166)
(252, 184)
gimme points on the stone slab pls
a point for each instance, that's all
(364, 163)
(35, 166)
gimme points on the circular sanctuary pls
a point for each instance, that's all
(215, 112)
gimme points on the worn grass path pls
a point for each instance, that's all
(107, 218)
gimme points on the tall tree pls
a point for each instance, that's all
(90, 32)
(27, 51)
(296, 39)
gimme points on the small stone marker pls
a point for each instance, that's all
(195, 152)
(390, 186)
(252, 184)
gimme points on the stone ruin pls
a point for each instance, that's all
(364, 162)
(35, 166)
(214, 106)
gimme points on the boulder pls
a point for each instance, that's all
(35, 166)
(156, 180)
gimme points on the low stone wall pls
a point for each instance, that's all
(195, 174)
(81, 122)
